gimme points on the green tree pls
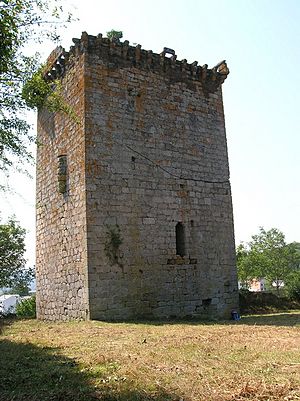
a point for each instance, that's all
(22, 22)
(246, 271)
(21, 287)
(293, 285)
(296, 246)
(12, 262)
(267, 255)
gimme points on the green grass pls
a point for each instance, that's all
(256, 359)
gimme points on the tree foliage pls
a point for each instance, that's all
(12, 262)
(114, 35)
(20, 287)
(267, 256)
(22, 23)
(293, 285)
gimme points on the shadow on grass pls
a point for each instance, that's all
(5, 321)
(276, 319)
(291, 318)
(31, 373)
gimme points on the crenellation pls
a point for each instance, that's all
(121, 53)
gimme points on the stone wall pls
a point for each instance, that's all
(61, 251)
(156, 156)
(151, 158)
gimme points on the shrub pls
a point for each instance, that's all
(262, 302)
(114, 35)
(27, 308)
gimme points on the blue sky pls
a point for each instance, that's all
(260, 41)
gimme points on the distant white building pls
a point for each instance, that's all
(255, 285)
(260, 285)
(8, 303)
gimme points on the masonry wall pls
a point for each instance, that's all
(156, 156)
(61, 260)
(146, 158)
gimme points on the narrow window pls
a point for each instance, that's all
(62, 174)
(133, 163)
(180, 245)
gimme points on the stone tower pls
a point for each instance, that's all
(134, 212)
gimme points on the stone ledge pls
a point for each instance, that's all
(179, 260)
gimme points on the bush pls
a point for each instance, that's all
(27, 308)
(262, 302)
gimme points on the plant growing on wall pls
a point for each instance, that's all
(38, 93)
(112, 244)
(114, 35)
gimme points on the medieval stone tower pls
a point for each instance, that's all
(134, 213)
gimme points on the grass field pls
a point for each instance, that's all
(257, 358)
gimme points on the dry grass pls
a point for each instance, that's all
(255, 359)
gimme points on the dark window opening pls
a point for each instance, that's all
(206, 302)
(62, 174)
(133, 162)
(180, 243)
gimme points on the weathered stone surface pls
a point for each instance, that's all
(149, 152)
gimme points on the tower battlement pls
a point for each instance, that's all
(121, 54)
